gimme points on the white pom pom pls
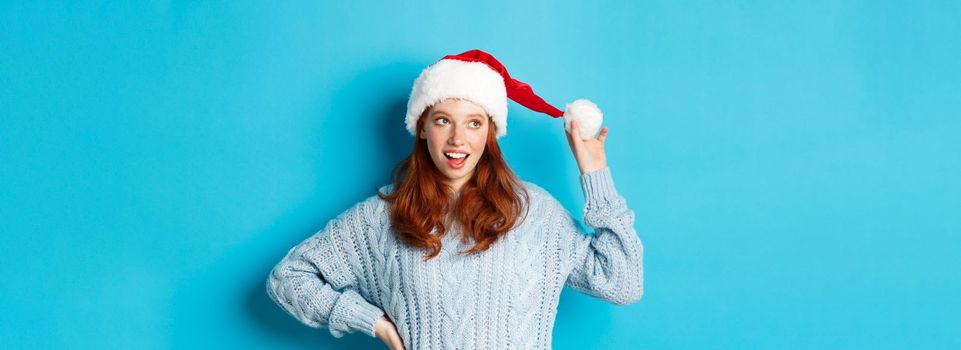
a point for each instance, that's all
(587, 115)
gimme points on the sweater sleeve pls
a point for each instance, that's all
(315, 284)
(609, 263)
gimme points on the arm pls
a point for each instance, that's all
(609, 264)
(314, 282)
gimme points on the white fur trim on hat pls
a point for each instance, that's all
(451, 78)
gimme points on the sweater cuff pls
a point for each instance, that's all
(598, 186)
(353, 312)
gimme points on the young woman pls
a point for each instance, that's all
(458, 253)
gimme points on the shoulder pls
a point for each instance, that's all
(369, 211)
(534, 190)
(378, 208)
(540, 197)
(385, 189)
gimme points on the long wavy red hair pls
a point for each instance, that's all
(490, 204)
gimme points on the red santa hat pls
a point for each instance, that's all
(478, 77)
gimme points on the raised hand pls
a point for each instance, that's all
(589, 153)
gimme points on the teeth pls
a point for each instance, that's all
(456, 155)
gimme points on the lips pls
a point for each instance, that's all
(456, 163)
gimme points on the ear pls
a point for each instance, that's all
(420, 134)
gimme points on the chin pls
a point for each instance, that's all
(453, 174)
(457, 173)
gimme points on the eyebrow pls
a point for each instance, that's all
(447, 114)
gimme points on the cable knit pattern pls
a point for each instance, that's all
(354, 270)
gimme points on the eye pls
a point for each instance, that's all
(476, 122)
(438, 120)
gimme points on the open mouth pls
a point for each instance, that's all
(456, 160)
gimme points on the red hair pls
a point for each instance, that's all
(490, 203)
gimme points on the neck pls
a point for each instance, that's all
(456, 186)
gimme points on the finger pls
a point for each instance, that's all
(603, 134)
(570, 127)
(576, 133)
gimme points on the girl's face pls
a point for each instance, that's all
(456, 134)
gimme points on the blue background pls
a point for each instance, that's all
(794, 167)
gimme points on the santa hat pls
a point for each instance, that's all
(478, 77)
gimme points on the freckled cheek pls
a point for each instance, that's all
(479, 137)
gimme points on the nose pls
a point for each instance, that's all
(456, 136)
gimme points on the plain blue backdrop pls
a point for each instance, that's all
(794, 167)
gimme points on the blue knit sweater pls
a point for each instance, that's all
(354, 270)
